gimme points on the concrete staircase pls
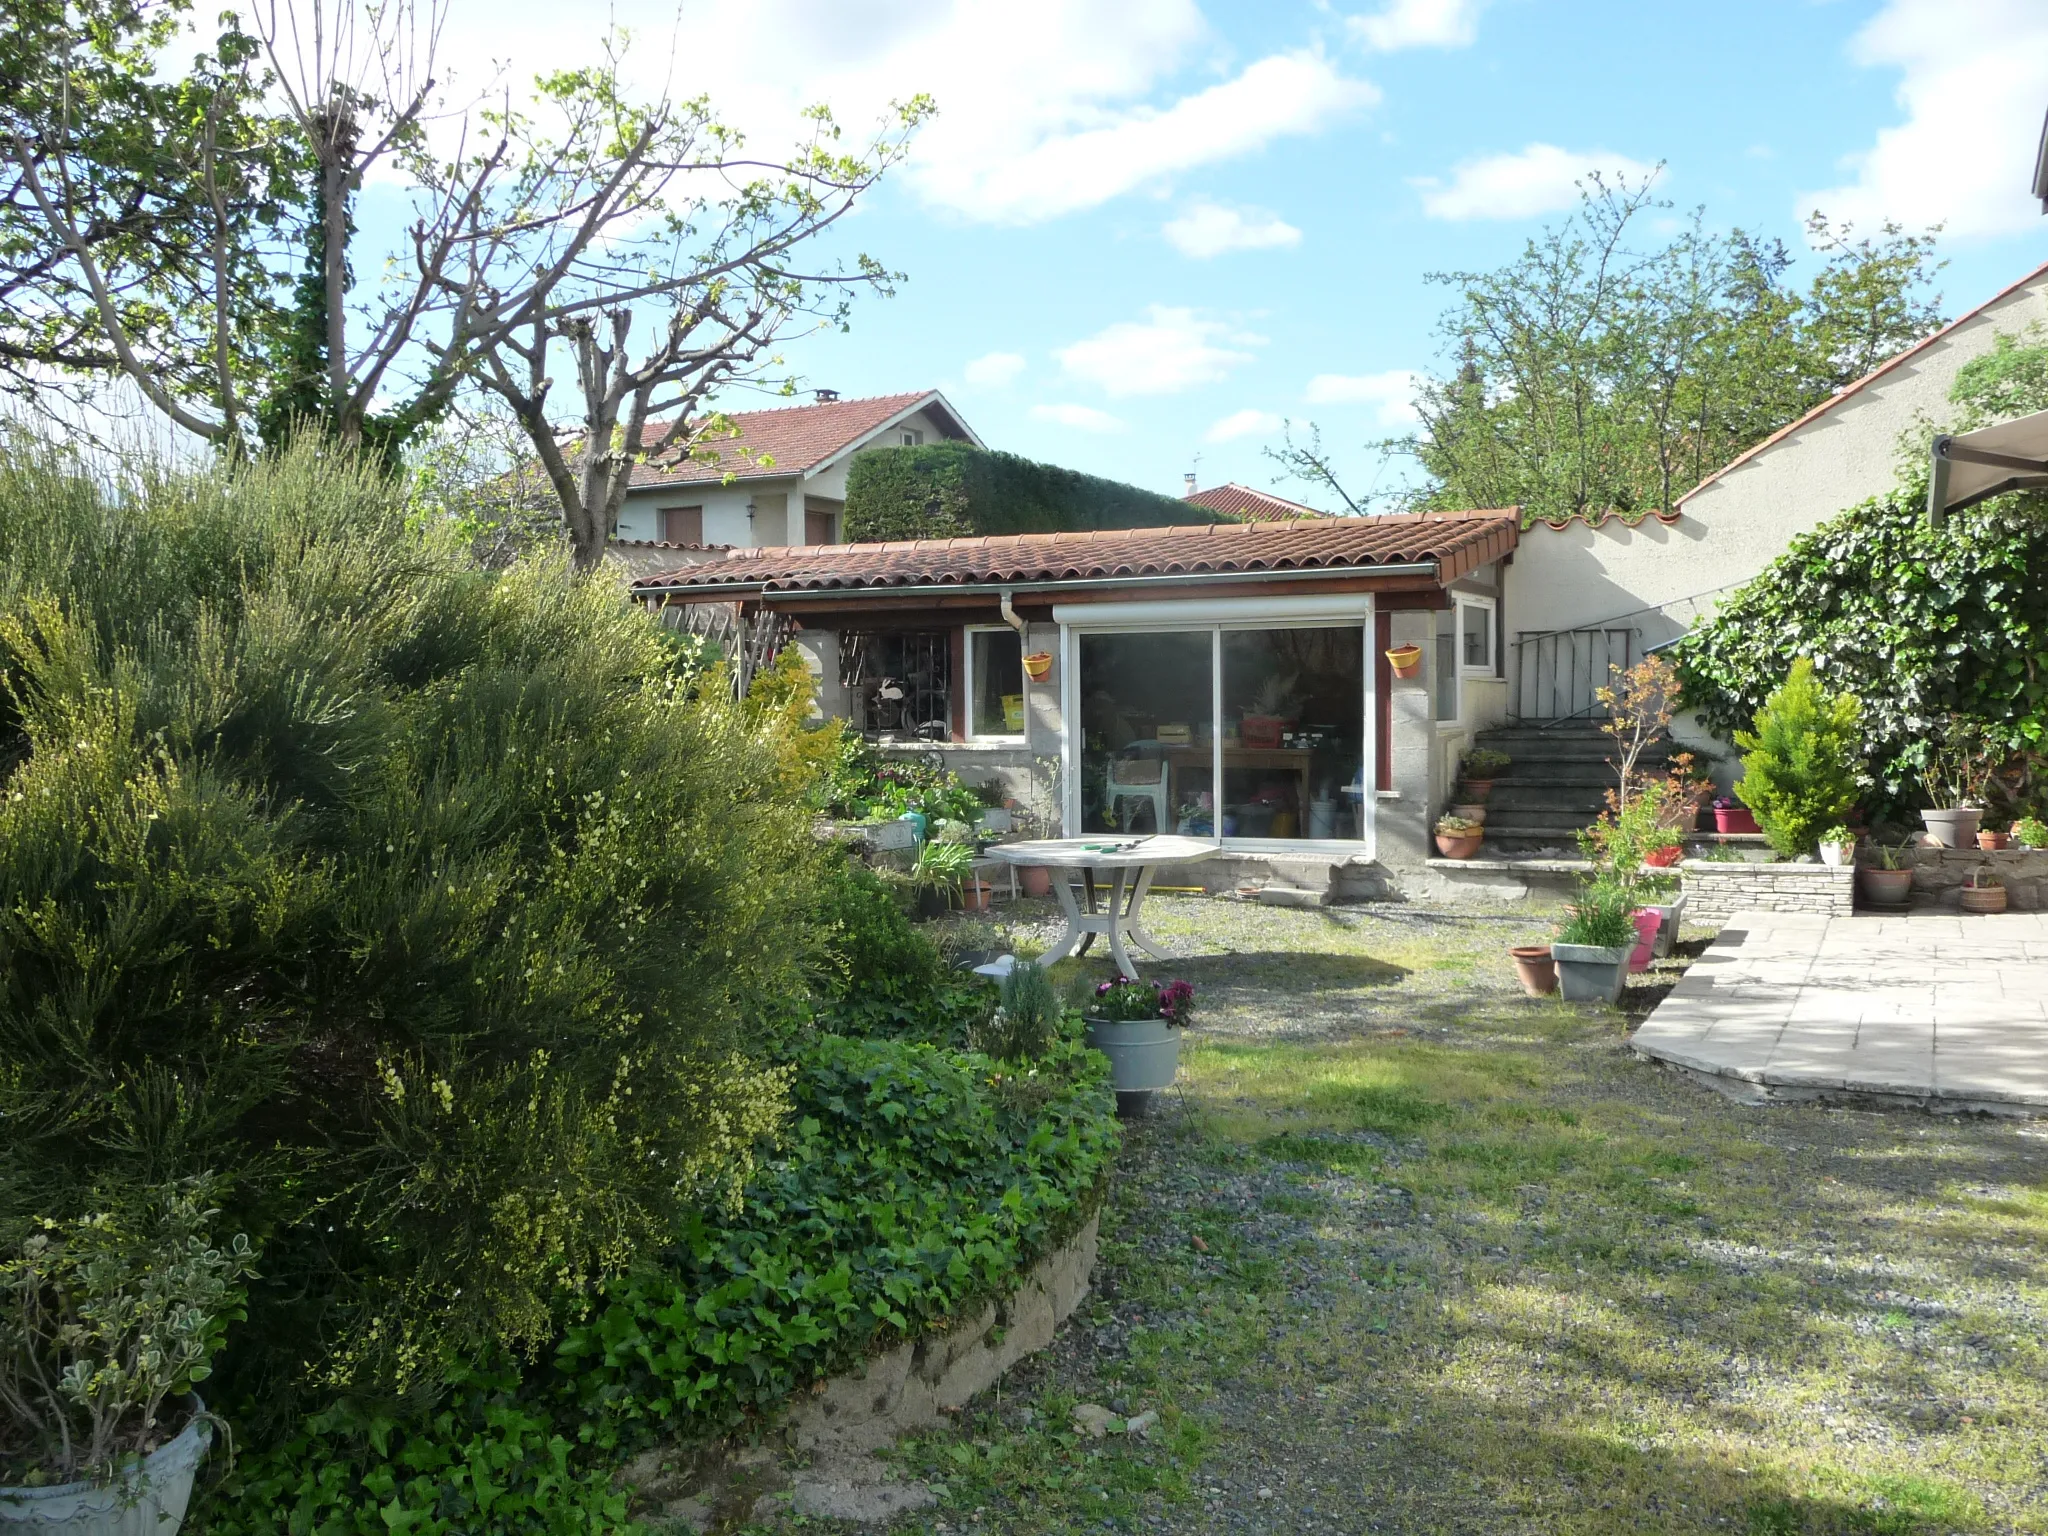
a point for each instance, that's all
(1556, 785)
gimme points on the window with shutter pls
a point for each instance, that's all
(681, 525)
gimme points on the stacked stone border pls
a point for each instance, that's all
(1716, 891)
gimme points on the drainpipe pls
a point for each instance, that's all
(1009, 614)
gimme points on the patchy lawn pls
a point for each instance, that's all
(1423, 1254)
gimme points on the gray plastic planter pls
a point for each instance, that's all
(1143, 1054)
(1955, 828)
(1591, 973)
(149, 1501)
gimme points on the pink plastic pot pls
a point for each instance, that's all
(1647, 923)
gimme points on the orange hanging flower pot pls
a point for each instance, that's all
(1406, 660)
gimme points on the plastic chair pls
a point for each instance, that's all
(1137, 779)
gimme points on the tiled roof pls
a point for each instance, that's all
(1454, 542)
(1865, 382)
(796, 438)
(1241, 501)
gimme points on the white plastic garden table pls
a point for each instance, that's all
(1133, 860)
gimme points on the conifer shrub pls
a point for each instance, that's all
(428, 909)
(1799, 764)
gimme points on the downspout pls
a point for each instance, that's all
(1009, 614)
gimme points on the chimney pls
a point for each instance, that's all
(825, 396)
(1190, 478)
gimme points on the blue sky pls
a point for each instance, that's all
(1143, 232)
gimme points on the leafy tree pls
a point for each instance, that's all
(1595, 374)
(1799, 764)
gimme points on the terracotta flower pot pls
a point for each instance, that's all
(1462, 846)
(1991, 842)
(976, 894)
(1038, 666)
(1735, 818)
(1036, 879)
(1406, 660)
(1664, 858)
(1983, 899)
(1478, 789)
(1885, 887)
(1473, 812)
(1535, 968)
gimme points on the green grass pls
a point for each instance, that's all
(1430, 1256)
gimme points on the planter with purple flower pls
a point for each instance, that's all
(1137, 1025)
(1731, 815)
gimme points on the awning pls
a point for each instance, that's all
(1975, 466)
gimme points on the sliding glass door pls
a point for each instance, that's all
(1253, 733)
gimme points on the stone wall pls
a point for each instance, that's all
(1940, 873)
(1715, 891)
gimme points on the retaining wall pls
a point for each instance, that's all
(1715, 891)
(1939, 874)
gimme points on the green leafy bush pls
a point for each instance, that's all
(880, 975)
(862, 785)
(952, 490)
(426, 905)
(1799, 764)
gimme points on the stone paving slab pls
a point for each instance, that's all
(1927, 1007)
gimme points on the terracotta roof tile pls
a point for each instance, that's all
(1454, 542)
(797, 438)
(1241, 501)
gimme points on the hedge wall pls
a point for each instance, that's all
(949, 490)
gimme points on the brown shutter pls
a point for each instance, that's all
(681, 525)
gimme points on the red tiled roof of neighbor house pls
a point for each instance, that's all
(796, 438)
(1241, 501)
(1454, 543)
(1863, 383)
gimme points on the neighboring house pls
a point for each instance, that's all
(1171, 657)
(1581, 597)
(1246, 504)
(781, 481)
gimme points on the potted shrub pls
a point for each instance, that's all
(1985, 892)
(1888, 882)
(1592, 948)
(1954, 780)
(2031, 832)
(1990, 841)
(1799, 762)
(1406, 660)
(1267, 717)
(1731, 816)
(938, 872)
(1535, 969)
(1457, 838)
(1482, 765)
(107, 1325)
(1838, 846)
(1137, 1025)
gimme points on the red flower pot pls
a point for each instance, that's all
(1261, 731)
(1735, 818)
(1663, 858)
(1647, 924)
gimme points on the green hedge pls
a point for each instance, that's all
(915, 1182)
(952, 490)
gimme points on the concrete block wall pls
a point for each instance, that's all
(1715, 891)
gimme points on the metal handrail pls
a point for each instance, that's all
(1561, 663)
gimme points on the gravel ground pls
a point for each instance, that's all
(1421, 1254)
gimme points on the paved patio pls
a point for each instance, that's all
(1944, 1010)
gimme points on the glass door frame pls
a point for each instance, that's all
(1218, 617)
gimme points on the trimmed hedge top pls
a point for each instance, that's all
(955, 490)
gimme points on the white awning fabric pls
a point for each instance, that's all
(1974, 466)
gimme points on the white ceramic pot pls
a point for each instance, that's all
(1591, 973)
(1838, 854)
(1144, 1054)
(148, 1500)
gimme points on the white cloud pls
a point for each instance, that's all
(995, 369)
(1246, 423)
(1392, 393)
(1044, 109)
(1540, 178)
(1083, 418)
(1974, 80)
(1210, 229)
(1419, 24)
(1169, 351)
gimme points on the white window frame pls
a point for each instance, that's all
(1491, 669)
(967, 690)
(1217, 615)
(912, 437)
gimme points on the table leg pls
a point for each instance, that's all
(1088, 879)
(1073, 938)
(1134, 924)
(1122, 956)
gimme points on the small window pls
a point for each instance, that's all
(1476, 641)
(995, 683)
(912, 437)
(817, 527)
(680, 525)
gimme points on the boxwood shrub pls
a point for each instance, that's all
(950, 490)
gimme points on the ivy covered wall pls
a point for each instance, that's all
(953, 490)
